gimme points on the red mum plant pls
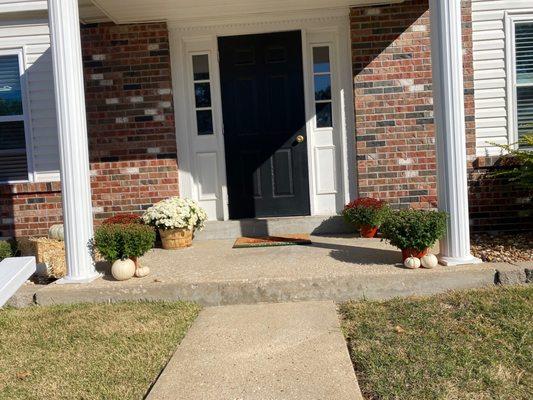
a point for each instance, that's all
(123, 219)
(367, 214)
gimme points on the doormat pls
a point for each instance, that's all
(272, 241)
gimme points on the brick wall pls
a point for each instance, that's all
(495, 203)
(132, 143)
(391, 55)
(132, 139)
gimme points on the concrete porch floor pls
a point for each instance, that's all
(332, 268)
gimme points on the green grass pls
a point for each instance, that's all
(469, 345)
(109, 351)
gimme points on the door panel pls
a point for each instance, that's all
(264, 112)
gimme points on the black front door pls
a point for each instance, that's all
(264, 125)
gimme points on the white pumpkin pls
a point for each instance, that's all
(412, 263)
(122, 270)
(56, 232)
(142, 272)
(429, 261)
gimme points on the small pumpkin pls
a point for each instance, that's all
(142, 272)
(122, 270)
(412, 263)
(56, 232)
(429, 261)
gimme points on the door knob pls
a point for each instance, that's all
(300, 138)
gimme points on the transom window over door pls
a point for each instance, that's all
(13, 155)
(524, 78)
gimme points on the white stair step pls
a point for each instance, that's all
(13, 273)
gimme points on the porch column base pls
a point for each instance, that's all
(72, 280)
(454, 261)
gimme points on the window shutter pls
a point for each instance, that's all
(524, 77)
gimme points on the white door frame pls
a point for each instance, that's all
(331, 151)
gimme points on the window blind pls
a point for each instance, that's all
(524, 77)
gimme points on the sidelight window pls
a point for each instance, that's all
(202, 94)
(322, 87)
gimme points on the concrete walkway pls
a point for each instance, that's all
(284, 351)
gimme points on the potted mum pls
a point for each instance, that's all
(176, 219)
(414, 232)
(367, 214)
(122, 245)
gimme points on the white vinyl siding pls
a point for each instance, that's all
(22, 5)
(491, 86)
(33, 38)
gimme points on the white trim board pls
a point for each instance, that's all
(207, 184)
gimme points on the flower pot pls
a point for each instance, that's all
(368, 231)
(173, 239)
(406, 253)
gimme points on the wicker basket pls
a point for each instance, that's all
(173, 239)
(48, 252)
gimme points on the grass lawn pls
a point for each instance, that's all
(468, 345)
(108, 351)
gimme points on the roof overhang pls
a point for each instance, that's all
(129, 11)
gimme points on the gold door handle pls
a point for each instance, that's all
(300, 138)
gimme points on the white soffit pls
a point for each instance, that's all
(89, 13)
(128, 11)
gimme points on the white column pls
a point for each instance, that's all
(448, 100)
(73, 145)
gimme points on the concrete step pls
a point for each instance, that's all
(289, 351)
(316, 225)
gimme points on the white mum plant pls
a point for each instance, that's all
(176, 213)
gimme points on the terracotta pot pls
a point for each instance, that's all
(136, 261)
(406, 253)
(173, 239)
(368, 231)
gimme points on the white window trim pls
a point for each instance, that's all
(21, 53)
(319, 28)
(511, 19)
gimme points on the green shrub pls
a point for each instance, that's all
(517, 164)
(5, 250)
(414, 229)
(366, 211)
(121, 241)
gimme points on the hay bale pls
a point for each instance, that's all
(48, 252)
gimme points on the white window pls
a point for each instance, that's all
(13, 121)
(524, 77)
(521, 76)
